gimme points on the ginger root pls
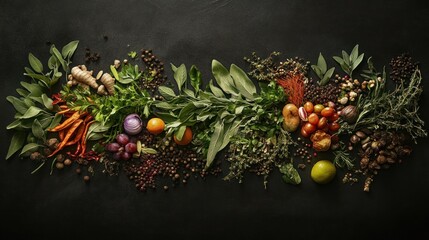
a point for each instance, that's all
(109, 83)
(82, 75)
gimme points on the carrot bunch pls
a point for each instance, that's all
(73, 130)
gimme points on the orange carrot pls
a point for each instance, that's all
(72, 129)
(68, 122)
(83, 144)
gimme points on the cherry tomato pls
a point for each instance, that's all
(304, 133)
(327, 112)
(309, 108)
(313, 119)
(334, 117)
(318, 108)
(323, 122)
(334, 126)
(309, 128)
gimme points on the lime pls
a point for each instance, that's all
(323, 172)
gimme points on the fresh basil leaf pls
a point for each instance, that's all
(180, 132)
(215, 90)
(180, 76)
(16, 143)
(242, 82)
(35, 63)
(37, 130)
(18, 104)
(166, 92)
(29, 148)
(68, 50)
(195, 76)
(47, 101)
(223, 78)
(321, 63)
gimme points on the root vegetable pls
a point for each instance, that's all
(109, 83)
(101, 90)
(291, 117)
(83, 76)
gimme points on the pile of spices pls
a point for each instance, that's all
(155, 69)
(402, 68)
(91, 56)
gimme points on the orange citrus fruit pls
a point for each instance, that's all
(186, 139)
(155, 125)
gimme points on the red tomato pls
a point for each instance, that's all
(334, 117)
(327, 112)
(304, 133)
(313, 119)
(309, 128)
(334, 126)
(323, 122)
(309, 108)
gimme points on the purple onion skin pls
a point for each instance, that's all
(125, 156)
(113, 147)
(122, 139)
(131, 148)
(133, 124)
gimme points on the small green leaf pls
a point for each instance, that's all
(149, 151)
(195, 76)
(35, 89)
(114, 72)
(244, 85)
(239, 110)
(132, 54)
(35, 63)
(16, 143)
(55, 121)
(22, 92)
(166, 92)
(68, 50)
(346, 57)
(59, 57)
(215, 90)
(95, 136)
(31, 112)
(180, 76)
(338, 60)
(357, 61)
(354, 54)
(53, 63)
(40, 77)
(223, 78)
(14, 124)
(321, 63)
(290, 174)
(37, 130)
(29, 148)
(317, 70)
(189, 93)
(216, 142)
(47, 101)
(186, 112)
(173, 67)
(18, 104)
(180, 132)
(327, 77)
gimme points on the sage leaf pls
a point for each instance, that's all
(166, 105)
(35, 63)
(47, 102)
(173, 124)
(29, 148)
(290, 174)
(59, 57)
(354, 54)
(68, 50)
(52, 62)
(321, 63)
(16, 143)
(180, 132)
(31, 112)
(239, 110)
(180, 76)
(22, 92)
(31, 100)
(242, 82)
(37, 76)
(187, 112)
(18, 104)
(37, 130)
(215, 90)
(215, 143)
(195, 76)
(95, 136)
(230, 131)
(223, 78)
(34, 89)
(14, 124)
(173, 67)
(166, 92)
(357, 61)
(55, 121)
(189, 92)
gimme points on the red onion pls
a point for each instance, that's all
(133, 124)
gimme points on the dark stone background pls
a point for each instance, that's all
(40, 206)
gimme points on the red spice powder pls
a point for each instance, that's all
(293, 85)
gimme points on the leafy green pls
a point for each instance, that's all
(290, 174)
(349, 62)
(322, 71)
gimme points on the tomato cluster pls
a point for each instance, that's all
(319, 117)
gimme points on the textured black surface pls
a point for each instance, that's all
(194, 32)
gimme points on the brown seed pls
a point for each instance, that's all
(67, 162)
(59, 165)
(78, 170)
(86, 178)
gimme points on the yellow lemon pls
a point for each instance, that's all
(323, 172)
